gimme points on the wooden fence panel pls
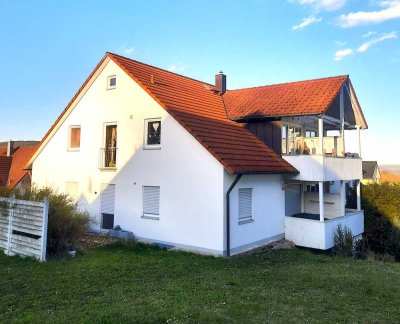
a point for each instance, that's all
(23, 227)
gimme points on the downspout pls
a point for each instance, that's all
(228, 217)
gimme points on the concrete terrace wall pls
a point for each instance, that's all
(190, 178)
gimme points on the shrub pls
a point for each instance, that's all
(343, 241)
(383, 199)
(360, 249)
(377, 231)
(393, 245)
(66, 224)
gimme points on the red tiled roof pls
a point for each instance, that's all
(20, 158)
(3, 150)
(201, 111)
(310, 97)
(15, 172)
(5, 165)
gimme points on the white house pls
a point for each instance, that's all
(189, 164)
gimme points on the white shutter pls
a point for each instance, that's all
(245, 204)
(151, 200)
(107, 198)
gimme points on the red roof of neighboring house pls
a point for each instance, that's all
(3, 150)
(310, 97)
(12, 167)
(5, 165)
(20, 158)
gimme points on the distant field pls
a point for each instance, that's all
(394, 169)
(390, 173)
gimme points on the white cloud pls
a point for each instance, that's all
(339, 55)
(175, 68)
(306, 22)
(365, 46)
(340, 43)
(370, 33)
(391, 11)
(321, 5)
(172, 68)
(128, 51)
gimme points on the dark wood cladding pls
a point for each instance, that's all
(270, 132)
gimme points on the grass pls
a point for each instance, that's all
(138, 283)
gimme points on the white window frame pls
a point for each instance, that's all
(148, 215)
(250, 219)
(74, 149)
(151, 146)
(109, 86)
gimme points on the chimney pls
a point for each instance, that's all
(10, 148)
(220, 82)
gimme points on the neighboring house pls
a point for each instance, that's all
(14, 155)
(371, 173)
(185, 163)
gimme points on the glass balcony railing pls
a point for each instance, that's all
(332, 146)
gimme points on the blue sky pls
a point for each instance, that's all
(48, 48)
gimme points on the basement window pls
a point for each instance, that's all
(245, 208)
(111, 82)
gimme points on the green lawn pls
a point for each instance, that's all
(138, 283)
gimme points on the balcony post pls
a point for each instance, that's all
(321, 135)
(342, 198)
(342, 123)
(358, 140)
(358, 195)
(321, 201)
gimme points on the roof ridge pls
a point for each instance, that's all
(291, 82)
(161, 69)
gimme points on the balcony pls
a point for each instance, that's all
(108, 158)
(310, 147)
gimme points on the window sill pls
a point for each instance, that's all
(73, 149)
(246, 221)
(151, 147)
(108, 169)
(153, 217)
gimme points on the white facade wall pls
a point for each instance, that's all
(268, 211)
(190, 178)
(332, 204)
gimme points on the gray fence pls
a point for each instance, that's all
(23, 227)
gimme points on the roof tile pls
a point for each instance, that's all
(286, 99)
